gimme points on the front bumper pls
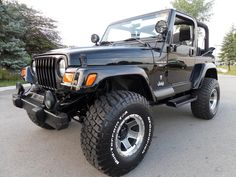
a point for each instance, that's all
(33, 104)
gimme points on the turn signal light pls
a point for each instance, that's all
(68, 77)
(90, 79)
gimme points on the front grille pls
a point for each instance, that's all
(46, 71)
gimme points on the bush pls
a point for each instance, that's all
(8, 75)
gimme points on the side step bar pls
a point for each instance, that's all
(177, 102)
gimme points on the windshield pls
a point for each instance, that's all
(136, 28)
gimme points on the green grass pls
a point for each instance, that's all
(231, 72)
(5, 83)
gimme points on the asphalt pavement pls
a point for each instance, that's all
(182, 146)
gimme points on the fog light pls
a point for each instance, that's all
(49, 99)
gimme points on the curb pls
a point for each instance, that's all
(11, 87)
(226, 75)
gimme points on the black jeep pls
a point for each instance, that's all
(146, 60)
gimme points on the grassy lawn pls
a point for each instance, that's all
(231, 72)
(4, 83)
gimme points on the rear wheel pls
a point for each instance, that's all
(208, 97)
(117, 132)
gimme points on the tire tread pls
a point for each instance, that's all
(100, 114)
(200, 107)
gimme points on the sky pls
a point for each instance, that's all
(77, 20)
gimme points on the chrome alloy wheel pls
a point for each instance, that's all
(130, 135)
(213, 100)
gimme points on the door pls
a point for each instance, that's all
(180, 59)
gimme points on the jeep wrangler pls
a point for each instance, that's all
(139, 62)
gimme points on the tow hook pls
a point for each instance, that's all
(20, 88)
(17, 97)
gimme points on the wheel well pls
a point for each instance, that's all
(133, 83)
(211, 73)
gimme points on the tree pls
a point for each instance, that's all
(41, 34)
(24, 32)
(228, 49)
(12, 51)
(199, 9)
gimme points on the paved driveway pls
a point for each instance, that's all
(182, 145)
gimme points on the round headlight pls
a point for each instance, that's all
(34, 66)
(62, 67)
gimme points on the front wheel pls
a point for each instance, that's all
(208, 97)
(117, 132)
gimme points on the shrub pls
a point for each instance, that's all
(9, 75)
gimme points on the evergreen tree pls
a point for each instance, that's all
(12, 51)
(24, 32)
(228, 49)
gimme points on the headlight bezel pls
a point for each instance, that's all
(33, 66)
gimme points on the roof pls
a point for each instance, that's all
(153, 13)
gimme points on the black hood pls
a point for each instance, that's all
(106, 55)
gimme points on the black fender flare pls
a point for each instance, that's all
(200, 71)
(105, 72)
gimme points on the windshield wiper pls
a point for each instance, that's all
(141, 42)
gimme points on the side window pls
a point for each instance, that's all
(183, 32)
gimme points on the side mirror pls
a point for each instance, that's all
(95, 38)
(161, 27)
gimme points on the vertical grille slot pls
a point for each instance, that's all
(46, 71)
(49, 73)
